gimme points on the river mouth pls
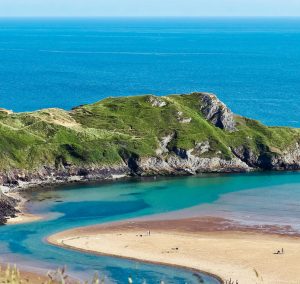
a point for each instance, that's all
(77, 206)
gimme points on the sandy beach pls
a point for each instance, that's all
(206, 244)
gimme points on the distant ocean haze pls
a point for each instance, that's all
(251, 64)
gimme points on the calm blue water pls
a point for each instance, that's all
(252, 64)
(266, 198)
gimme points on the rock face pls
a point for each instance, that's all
(267, 160)
(191, 165)
(62, 174)
(174, 161)
(217, 112)
(167, 161)
(7, 208)
(289, 159)
(180, 161)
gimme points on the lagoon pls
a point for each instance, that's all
(234, 196)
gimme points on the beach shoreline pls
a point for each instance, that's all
(246, 255)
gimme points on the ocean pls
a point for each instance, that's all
(252, 64)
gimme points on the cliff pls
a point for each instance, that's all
(141, 135)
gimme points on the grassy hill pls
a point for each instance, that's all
(115, 130)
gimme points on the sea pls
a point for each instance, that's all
(252, 64)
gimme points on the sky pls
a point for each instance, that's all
(92, 8)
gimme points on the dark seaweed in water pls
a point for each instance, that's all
(131, 194)
(96, 209)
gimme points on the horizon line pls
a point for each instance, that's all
(140, 17)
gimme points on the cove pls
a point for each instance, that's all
(238, 195)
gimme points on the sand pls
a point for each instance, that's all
(244, 255)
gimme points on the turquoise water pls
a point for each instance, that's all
(252, 64)
(269, 198)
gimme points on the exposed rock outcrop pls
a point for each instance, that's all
(217, 112)
(175, 165)
(246, 155)
(178, 161)
(269, 159)
(183, 119)
(163, 144)
(168, 161)
(202, 147)
(62, 174)
(156, 102)
(7, 208)
(288, 160)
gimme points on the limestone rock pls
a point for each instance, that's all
(182, 119)
(156, 102)
(217, 112)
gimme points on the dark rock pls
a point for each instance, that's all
(246, 155)
(7, 208)
(182, 153)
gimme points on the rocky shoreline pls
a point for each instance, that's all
(177, 164)
(7, 208)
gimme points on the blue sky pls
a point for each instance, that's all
(149, 8)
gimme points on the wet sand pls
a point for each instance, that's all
(209, 244)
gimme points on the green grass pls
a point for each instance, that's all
(105, 132)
